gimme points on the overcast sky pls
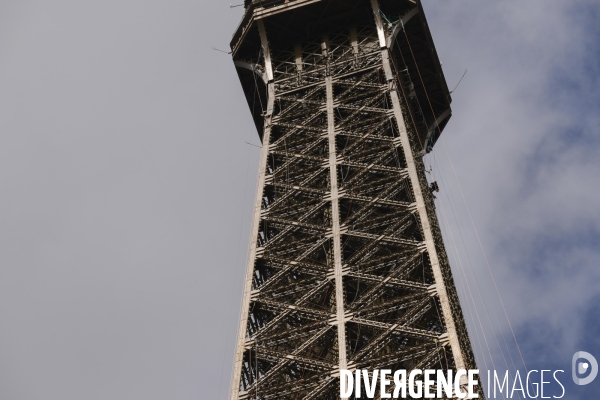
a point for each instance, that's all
(126, 190)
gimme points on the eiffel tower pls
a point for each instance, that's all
(347, 267)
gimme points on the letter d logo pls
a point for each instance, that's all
(582, 368)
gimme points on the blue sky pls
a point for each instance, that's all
(524, 143)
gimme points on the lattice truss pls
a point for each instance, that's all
(392, 316)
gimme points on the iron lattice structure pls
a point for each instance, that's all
(346, 268)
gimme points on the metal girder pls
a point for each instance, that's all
(346, 266)
(400, 25)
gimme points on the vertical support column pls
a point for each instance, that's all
(298, 60)
(416, 188)
(354, 43)
(325, 53)
(378, 23)
(265, 46)
(335, 219)
(262, 167)
(325, 46)
(298, 57)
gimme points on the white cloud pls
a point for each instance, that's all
(524, 142)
